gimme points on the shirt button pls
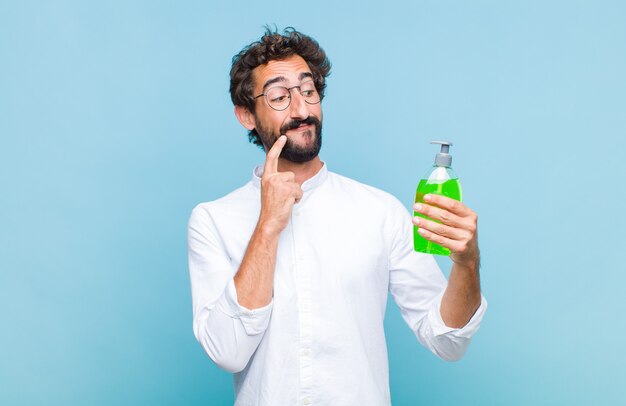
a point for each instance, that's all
(296, 213)
(306, 352)
(306, 401)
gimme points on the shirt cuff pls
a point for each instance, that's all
(254, 321)
(439, 327)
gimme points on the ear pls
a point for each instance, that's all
(245, 117)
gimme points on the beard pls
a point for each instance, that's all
(292, 152)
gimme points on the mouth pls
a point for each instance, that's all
(304, 129)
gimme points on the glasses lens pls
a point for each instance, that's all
(278, 97)
(309, 92)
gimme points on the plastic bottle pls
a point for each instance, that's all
(440, 180)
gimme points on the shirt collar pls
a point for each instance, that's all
(309, 184)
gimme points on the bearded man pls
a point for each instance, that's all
(290, 273)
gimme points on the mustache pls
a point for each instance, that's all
(297, 123)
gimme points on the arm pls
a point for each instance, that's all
(231, 314)
(279, 192)
(418, 287)
(457, 232)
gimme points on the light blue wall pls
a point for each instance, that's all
(115, 121)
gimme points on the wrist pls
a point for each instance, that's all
(468, 263)
(268, 229)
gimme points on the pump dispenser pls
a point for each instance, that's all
(440, 180)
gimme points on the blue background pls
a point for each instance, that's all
(115, 121)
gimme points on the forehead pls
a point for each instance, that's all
(290, 69)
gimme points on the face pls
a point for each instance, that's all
(301, 122)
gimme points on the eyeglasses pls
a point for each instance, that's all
(279, 97)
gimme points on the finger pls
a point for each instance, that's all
(447, 203)
(444, 216)
(453, 245)
(271, 160)
(452, 233)
(298, 195)
(277, 179)
(287, 176)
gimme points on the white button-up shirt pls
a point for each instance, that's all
(321, 340)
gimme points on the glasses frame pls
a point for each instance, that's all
(289, 89)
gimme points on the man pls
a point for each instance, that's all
(290, 272)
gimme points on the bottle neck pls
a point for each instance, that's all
(440, 174)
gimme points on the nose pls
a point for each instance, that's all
(298, 107)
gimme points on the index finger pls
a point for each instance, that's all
(271, 160)
(447, 203)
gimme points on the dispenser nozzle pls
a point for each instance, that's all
(443, 158)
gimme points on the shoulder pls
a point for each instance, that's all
(235, 201)
(366, 193)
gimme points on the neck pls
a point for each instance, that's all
(303, 171)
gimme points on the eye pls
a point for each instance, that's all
(278, 99)
(308, 93)
(277, 95)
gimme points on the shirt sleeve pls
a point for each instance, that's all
(228, 332)
(417, 284)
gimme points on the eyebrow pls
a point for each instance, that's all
(305, 75)
(277, 79)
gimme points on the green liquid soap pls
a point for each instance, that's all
(440, 180)
(450, 188)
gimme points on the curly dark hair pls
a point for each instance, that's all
(274, 46)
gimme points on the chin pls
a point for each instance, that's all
(302, 153)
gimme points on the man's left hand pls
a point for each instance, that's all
(457, 230)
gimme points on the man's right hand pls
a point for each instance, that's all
(279, 192)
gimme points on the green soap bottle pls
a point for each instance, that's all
(440, 180)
